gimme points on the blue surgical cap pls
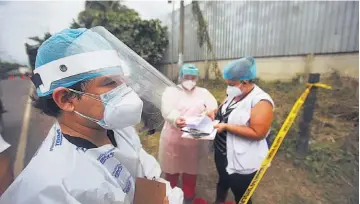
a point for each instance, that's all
(66, 43)
(189, 69)
(70, 42)
(240, 70)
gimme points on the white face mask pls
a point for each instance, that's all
(233, 91)
(123, 108)
(188, 84)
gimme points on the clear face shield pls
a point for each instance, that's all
(143, 78)
(114, 65)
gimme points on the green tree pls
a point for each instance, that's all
(6, 67)
(148, 38)
(104, 5)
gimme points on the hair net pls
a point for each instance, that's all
(241, 69)
(189, 69)
(66, 43)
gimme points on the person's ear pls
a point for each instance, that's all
(64, 99)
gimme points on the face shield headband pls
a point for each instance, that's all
(44, 76)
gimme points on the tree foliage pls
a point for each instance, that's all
(8, 66)
(104, 5)
(146, 37)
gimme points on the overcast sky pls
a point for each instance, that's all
(20, 20)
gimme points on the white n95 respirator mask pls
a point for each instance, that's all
(233, 91)
(188, 84)
(123, 108)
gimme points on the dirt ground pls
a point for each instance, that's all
(329, 173)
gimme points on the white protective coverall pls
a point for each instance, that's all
(61, 172)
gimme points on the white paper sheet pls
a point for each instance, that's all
(203, 124)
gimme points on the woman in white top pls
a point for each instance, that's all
(245, 119)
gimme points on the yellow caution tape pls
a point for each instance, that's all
(320, 85)
(278, 140)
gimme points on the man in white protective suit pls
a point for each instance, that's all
(92, 154)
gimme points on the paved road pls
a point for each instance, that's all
(15, 98)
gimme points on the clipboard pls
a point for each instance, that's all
(149, 191)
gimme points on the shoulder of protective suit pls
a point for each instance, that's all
(80, 185)
(36, 184)
(202, 90)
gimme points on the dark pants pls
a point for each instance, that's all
(238, 183)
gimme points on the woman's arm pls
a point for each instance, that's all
(260, 121)
(168, 103)
(211, 105)
(210, 101)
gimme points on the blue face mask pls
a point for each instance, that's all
(123, 108)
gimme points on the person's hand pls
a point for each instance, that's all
(221, 127)
(180, 122)
(211, 114)
(166, 200)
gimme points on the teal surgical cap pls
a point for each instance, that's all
(66, 43)
(189, 69)
(240, 70)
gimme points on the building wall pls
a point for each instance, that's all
(286, 68)
(267, 29)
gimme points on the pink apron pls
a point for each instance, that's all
(178, 155)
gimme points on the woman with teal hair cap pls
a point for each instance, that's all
(179, 156)
(245, 119)
(85, 79)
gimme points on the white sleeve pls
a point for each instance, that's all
(151, 168)
(21, 193)
(211, 103)
(261, 97)
(174, 195)
(168, 104)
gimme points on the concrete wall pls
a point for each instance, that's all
(286, 68)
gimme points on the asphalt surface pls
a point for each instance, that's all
(15, 95)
